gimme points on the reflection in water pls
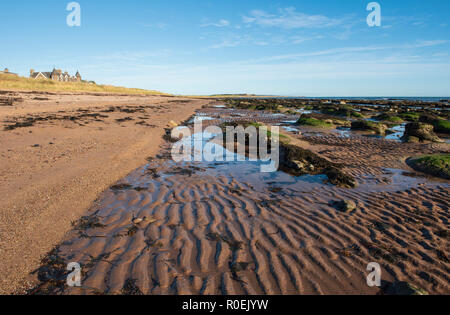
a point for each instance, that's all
(303, 111)
(399, 132)
(344, 132)
(290, 129)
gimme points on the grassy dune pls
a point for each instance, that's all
(10, 82)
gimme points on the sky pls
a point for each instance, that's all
(291, 48)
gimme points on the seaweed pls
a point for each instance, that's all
(233, 244)
(121, 187)
(87, 222)
(130, 288)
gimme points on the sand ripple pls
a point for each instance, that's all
(212, 233)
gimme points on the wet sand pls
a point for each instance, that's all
(221, 228)
(60, 152)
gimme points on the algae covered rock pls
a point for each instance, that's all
(389, 118)
(403, 288)
(298, 161)
(369, 126)
(309, 120)
(440, 125)
(421, 131)
(437, 165)
(340, 179)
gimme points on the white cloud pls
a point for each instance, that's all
(159, 25)
(301, 39)
(221, 23)
(289, 18)
(349, 50)
(226, 43)
(426, 43)
(133, 56)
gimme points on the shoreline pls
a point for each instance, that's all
(53, 170)
(81, 169)
(214, 228)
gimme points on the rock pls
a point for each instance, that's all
(340, 179)
(343, 123)
(172, 124)
(137, 221)
(310, 168)
(403, 288)
(369, 126)
(344, 205)
(436, 165)
(297, 161)
(410, 139)
(168, 136)
(421, 131)
(428, 118)
(304, 166)
(300, 164)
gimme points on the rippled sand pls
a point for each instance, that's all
(227, 229)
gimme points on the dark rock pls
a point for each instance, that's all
(343, 205)
(403, 288)
(340, 179)
(297, 161)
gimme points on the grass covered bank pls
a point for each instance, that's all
(10, 82)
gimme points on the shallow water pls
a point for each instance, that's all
(303, 111)
(290, 129)
(399, 132)
(214, 162)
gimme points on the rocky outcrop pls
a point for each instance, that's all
(415, 132)
(369, 126)
(297, 161)
(436, 165)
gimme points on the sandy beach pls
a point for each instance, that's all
(221, 228)
(241, 156)
(63, 150)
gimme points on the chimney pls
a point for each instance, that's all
(31, 72)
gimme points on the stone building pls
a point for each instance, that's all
(55, 75)
(6, 71)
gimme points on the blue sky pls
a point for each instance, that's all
(303, 48)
